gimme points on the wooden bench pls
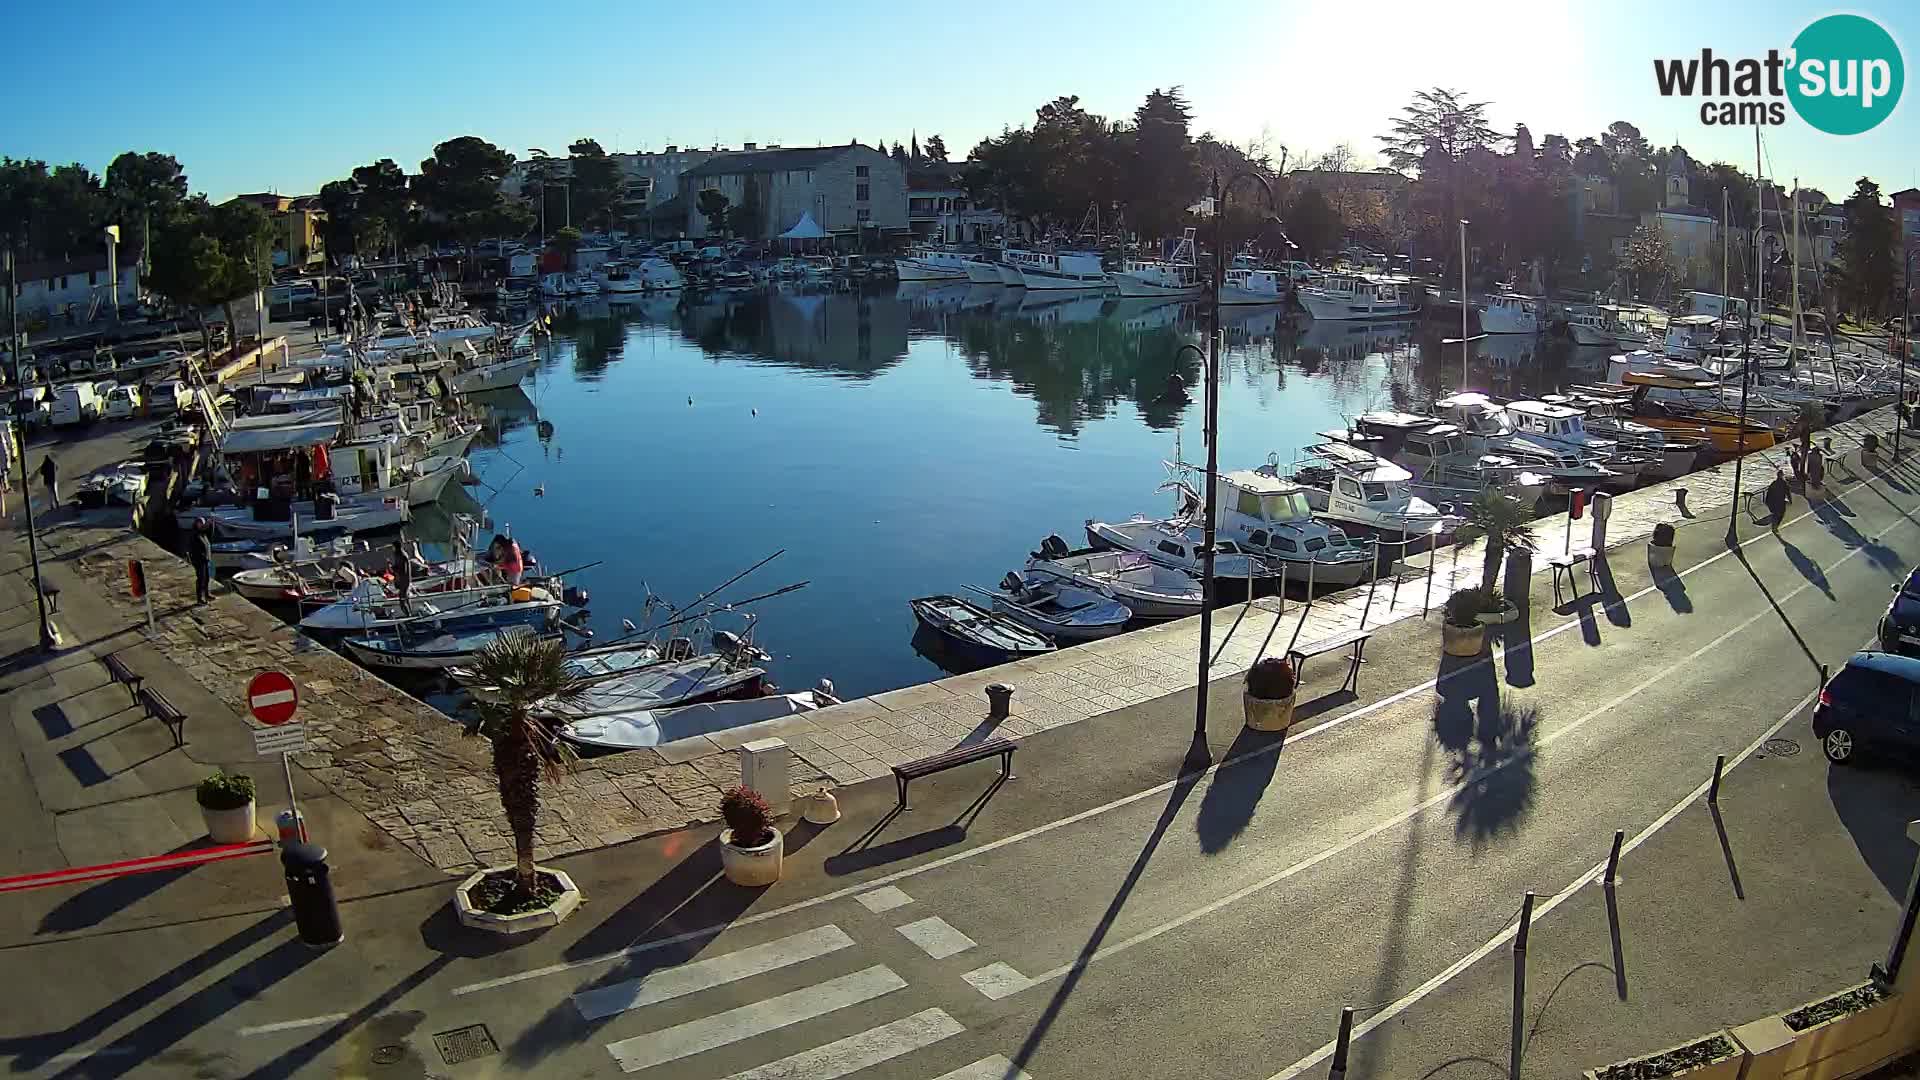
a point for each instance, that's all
(119, 672)
(1354, 639)
(166, 712)
(947, 759)
(1565, 564)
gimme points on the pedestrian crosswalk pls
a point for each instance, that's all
(894, 1031)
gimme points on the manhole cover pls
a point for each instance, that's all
(387, 1055)
(465, 1044)
(1781, 747)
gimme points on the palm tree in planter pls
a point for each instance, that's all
(523, 670)
(1507, 525)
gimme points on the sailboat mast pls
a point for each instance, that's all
(1793, 339)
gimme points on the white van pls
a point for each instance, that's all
(123, 402)
(76, 403)
(32, 407)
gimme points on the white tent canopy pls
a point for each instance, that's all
(805, 229)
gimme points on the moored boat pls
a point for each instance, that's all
(1058, 608)
(977, 633)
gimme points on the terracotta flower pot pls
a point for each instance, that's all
(752, 866)
(1269, 714)
(1462, 640)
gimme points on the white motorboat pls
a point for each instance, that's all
(1691, 337)
(982, 272)
(1444, 470)
(1669, 454)
(1486, 429)
(1057, 270)
(1559, 425)
(1149, 589)
(1176, 275)
(926, 262)
(1243, 285)
(1176, 542)
(1594, 326)
(1009, 273)
(1510, 313)
(680, 682)
(1355, 296)
(1273, 518)
(1058, 608)
(495, 376)
(618, 279)
(372, 605)
(638, 728)
(435, 651)
(1351, 485)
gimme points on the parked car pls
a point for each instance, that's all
(123, 403)
(1900, 626)
(76, 403)
(1872, 707)
(168, 395)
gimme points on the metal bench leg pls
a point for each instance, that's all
(902, 805)
(1006, 765)
(1353, 669)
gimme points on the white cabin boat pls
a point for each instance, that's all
(1355, 296)
(1057, 270)
(925, 262)
(1273, 518)
(1565, 426)
(1511, 313)
(1170, 277)
(1176, 542)
(1487, 430)
(1594, 326)
(1445, 470)
(1350, 485)
(1244, 286)
(495, 376)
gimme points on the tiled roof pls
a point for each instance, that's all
(760, 161)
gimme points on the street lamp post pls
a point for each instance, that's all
(112, 236)
(1746, 382)
(48, 638)
(1212, 433)
(1466, 308)
(1906, 349)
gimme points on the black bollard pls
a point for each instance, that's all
(310, 889)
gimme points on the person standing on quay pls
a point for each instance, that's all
(1777, 496)
(50, 475)
(200, 554)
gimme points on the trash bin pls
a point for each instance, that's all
(310, 890)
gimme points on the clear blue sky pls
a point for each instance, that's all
(285, 97)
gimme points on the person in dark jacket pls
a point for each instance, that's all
(1778, 494)
(50, 475)
(200, 553)
(403, 576)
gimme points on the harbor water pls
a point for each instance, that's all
(905, 442)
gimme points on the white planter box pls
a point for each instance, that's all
(1842, 1046)
(234, 826)
(552, 915)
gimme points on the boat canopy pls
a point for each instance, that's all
(250, 438)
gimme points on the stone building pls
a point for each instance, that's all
(852, 192)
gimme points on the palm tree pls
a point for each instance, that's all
(521, 670)
(1506, 523)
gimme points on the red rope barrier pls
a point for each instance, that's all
(177, 860)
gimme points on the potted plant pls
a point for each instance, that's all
(1461, 633)
(750, 847)
(226, 805)
(1269, 694)
(1496, 610)
(1714, 1057)
(1660, 548)
(527, 750)
(1507, 525)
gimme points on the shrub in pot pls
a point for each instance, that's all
(226, 805)
(750, 846)
(1660, 548)
(1461, 633)
(1495, 609)
(1269, 694)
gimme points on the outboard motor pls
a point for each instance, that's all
(574, 596)
(1053, 547)
(1013, 584)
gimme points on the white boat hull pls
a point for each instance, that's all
(1132, 286)
(1506, 321)
(1047, 281)
(1584, 334)
(915, 270)
(1233, 295)
(494, 376)
(984, 273)
(1335, 308)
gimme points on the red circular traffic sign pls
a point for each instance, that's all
(272, 698)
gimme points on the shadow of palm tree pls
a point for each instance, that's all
(1496, 772)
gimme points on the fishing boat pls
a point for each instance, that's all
(1243, 286)
(1176, 542)
(1511, 313)
(1355, 296)
(975, 632)
(1149, 589)
(1264, 515)
(1058, 608)
(400, 650)
(1058, 270)
(639, 728)
(1560, 425)
(929, 262)
(1669, 454)
(983, 271)
(1444, 470)
(371, 605)
(1353, 486)
(495, 376)
(1486, 430)
(1176, 275)
(1594, 325)
(678, 682)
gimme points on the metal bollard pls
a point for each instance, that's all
(999, 700)
(1341, 1043)
(310, 890)
(1713, 792)
(1520, 987)
(1613, 860)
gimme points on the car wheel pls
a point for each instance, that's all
(1838, 746)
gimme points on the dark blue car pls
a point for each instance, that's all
(1870, 707)
(1900, 626)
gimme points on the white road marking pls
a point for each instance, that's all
(772, 1014)
(883, 899)
(856, 1052)
(997, 981)
(294, 1025)
(988, 1068)
(936, 937)
(1293, 739)
(1540, 911)
(681, 980)
(1475, 777)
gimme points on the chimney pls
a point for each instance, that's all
(672, 149)
(749, 146)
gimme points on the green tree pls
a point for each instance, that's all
(340, 204)
(936, 149)
(245, 235)
(565, 242)
(1446, 141)
(1869, 270)
(596, 182)
(188, 269)
(1313, 224)
(1507, 525)
(713, 205)
(744, 219)
(1161, 179)
(1623, 140)
(382, 203)
(1649, 257)
(142, 188)
(524, 671)
(460, 185)
(899, 153)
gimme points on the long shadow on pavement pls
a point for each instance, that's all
(91, 905)
(1740, 556)
(1610, 600)
(1190, 775)
(1674, 588)
(33, 1051)
(1236, 789)
(1516, 653)
(1875, 806)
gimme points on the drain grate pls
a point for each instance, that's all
(387, 1055)
(465, 1044)
(1781, 747)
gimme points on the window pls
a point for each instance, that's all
(1248, 503)
(862, 215)
(1348, 488)
(1173, 549)
(1258, 538)
(861, 193)
(1315, 544)
(858, 170)
(1281, 543)
(1376, 492)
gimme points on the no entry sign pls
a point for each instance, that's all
(272, 697)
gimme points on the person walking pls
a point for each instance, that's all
(6, 463)
(403, 575)
(200, 554)
(1778, 494)
(50, 475)
(1816, 471)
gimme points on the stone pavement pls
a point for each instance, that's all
(417, 777)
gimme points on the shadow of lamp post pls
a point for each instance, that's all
(49, 640)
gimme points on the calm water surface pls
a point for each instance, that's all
(902, 443)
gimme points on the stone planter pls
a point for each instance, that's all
(1845, 1045)
(235, 826)
(1268, 714)
(1659, 558)
(552, 915)
(1721, 1066)
(1462, 640)
(754, 866)
(1506, 614)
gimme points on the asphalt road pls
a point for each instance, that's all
(1096, 919)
